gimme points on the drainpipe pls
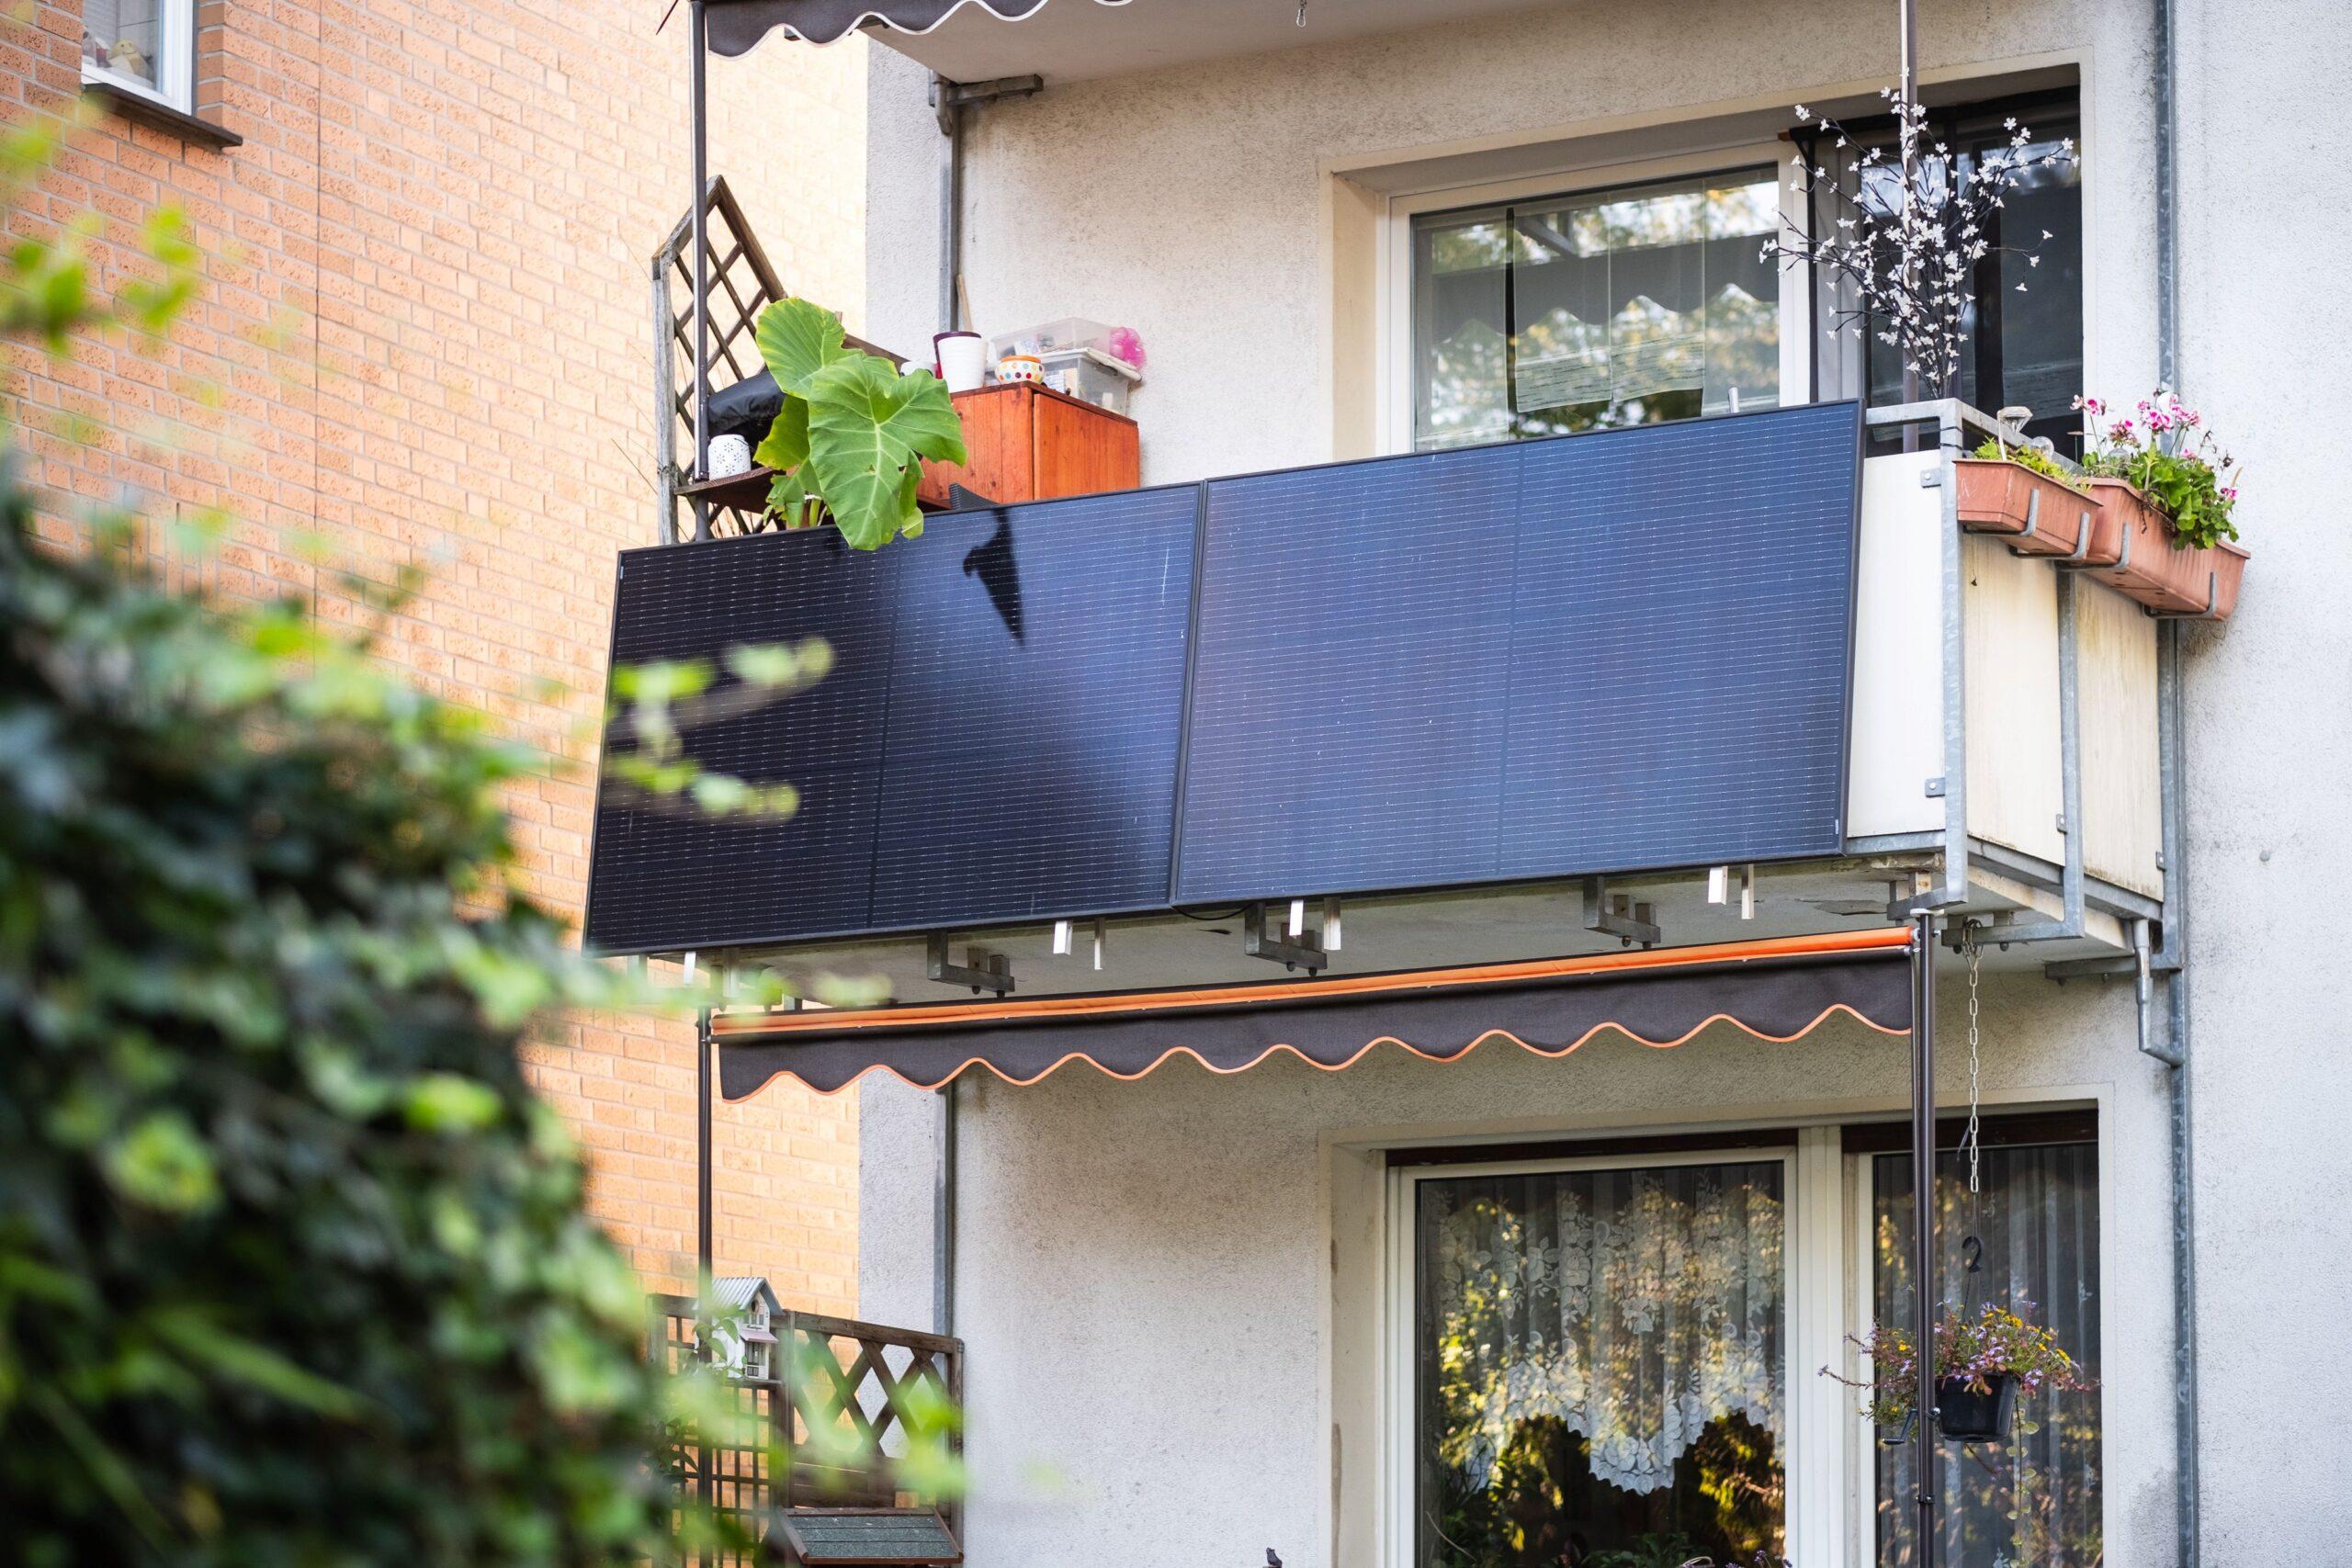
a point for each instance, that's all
(2176, 1051)
(943, 1219)
(697, 89)
(949, 105)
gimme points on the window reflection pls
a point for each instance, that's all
(1602, 309)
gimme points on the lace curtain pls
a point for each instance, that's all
(1636, 1306)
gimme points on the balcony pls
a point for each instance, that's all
(1676, 685)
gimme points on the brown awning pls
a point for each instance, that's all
(1776, 989)
(737, 25)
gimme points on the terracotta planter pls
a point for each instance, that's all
(2153, 571)
(2033, 513)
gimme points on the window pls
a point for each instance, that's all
(2035, 1500)
(1601, 1362)
(2024, 349)
(145, 47)
(1622, 306)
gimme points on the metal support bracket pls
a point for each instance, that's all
(1616, 914)
(1294, 951)
(981, 971)
(947, 96)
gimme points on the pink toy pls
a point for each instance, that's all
(1120, 342)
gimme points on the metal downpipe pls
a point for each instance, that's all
(698, 90)
(2187, 1436)
(1923, 1233)
(943, 1218)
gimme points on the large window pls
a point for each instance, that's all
(2034, 1226)
(1622, 306)
(1634, 303)
(145, 46)
(1601, 1364)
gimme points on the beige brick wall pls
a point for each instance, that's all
(425, 340)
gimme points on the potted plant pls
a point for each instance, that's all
(1981, 1365)
(851, 436)
(2161, 474)
(2022, 494)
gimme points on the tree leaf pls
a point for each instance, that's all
(868, 426)
(797, 340)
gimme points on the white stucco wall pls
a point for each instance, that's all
(1145, 1268)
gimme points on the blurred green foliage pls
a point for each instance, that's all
(294, 1267)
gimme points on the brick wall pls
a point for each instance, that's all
(427, 340)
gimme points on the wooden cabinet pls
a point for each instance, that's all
(1030, 442)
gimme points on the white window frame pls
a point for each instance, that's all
(1821, 1428)
(174, 61)
(1396, 272)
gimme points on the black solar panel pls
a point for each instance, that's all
(1602, 653)
(998, 740)
(1596, 654)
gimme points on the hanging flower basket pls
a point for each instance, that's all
(1976, 1410)
(2034, 513)
(2154, 568)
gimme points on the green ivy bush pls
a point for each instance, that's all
(294, 1268)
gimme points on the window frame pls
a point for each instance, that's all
(1395, 433)
(175, 87)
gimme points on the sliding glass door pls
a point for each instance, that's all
(1600, 1363)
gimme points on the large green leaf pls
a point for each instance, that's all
(868, 428)
(786, 446)
(797, 340)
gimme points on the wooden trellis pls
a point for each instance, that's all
(828, 1375)
(741, 283)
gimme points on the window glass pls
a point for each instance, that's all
(131, 41)
(2023, 348)
(1603, 307)
(1600, 1367)
(2035, 1500)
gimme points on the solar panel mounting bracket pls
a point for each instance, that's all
(1295, 952)
(981, 971)
(1616, 914)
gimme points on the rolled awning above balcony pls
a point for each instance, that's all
(1775, 990)
(737, 25)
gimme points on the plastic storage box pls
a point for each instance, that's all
(1070, 334)
(1092, 377)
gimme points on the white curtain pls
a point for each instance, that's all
(1636, 1306)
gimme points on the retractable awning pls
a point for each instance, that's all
(1774, 990)
(737, 25)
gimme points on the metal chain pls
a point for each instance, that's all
(1970, 1140)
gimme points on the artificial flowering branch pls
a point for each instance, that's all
(1910, 234)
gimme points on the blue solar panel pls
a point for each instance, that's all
(1602, 653)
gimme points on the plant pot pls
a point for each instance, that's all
(2034, 514)
(2151, 570)
(1966, 1415)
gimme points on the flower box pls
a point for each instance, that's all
(1967, 1414)
(2033, 513)
(2151, 570)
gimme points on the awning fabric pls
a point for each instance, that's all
(737, 25)
(1774, 990)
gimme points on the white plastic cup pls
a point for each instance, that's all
(962, 359)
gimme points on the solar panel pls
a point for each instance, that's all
(998, 742)
(1597, 654)
(1602, 653)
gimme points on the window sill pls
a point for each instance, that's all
(159, 116)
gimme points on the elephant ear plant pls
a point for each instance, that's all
(849, 443)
